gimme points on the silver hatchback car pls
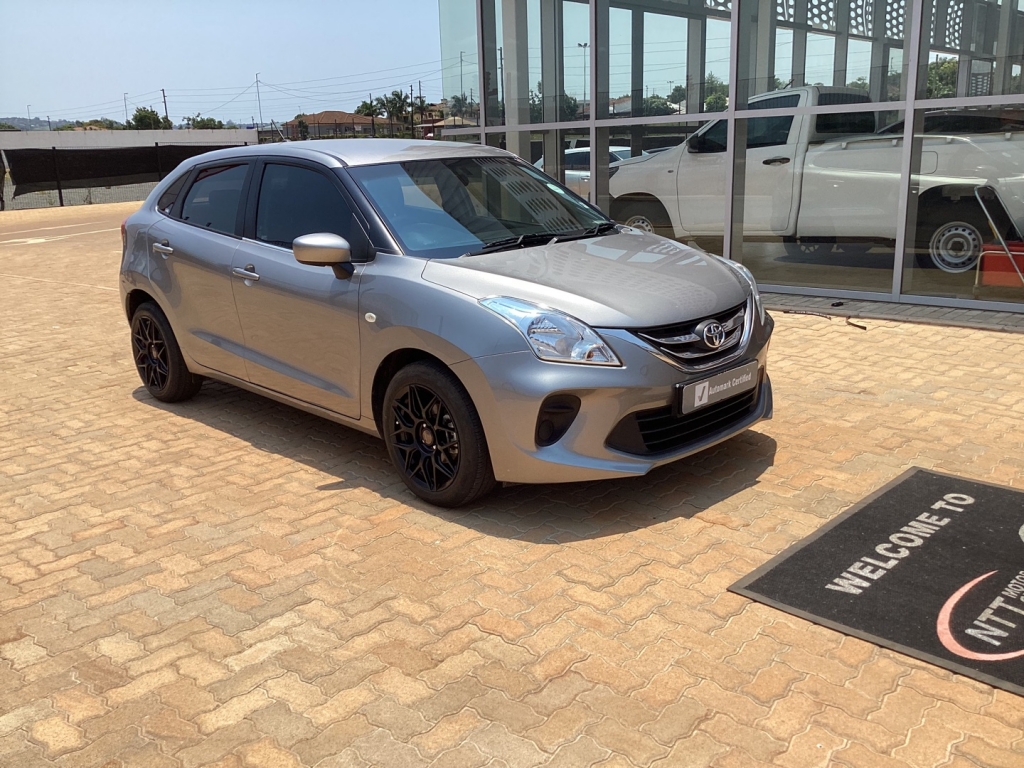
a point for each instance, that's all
(489, 324)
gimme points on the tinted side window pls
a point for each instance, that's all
(212, 201)
(768, 131)
(166, 201)
(779, 102)
(715, 138)
(845, 123)
(298, 201)
(577, 161)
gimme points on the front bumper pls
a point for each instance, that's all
(508, 391)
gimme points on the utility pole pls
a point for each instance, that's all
(126, 109)
(462, 87)
(501, 74)
(48, 126)
(586, 73)
(29, 108)
(165, 103)
(258, 102)
(421, 103)
(412, 113)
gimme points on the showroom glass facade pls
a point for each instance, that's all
(836, 147)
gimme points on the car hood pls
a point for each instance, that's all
(628, 279)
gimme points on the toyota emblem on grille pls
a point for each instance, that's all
(711, 333)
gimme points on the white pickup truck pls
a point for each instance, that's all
(826, 181)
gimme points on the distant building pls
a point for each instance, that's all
(331, 124)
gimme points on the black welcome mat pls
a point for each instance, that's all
(931, 565)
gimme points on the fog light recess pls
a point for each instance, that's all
(557, 414)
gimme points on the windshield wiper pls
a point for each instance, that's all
(600, 229)
(519, 241)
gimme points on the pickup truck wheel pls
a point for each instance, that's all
(950, 241)
(805, 247)
(434, 436)
(647, 217)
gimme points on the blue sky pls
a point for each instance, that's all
(75, 58)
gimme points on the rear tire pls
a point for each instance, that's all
(951, 239)
(158, 357)
(434, 436)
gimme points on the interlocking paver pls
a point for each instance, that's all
(230, 582)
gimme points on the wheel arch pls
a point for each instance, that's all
(386, 370)
(621, 203)
(136, 298)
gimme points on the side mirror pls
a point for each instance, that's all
(322, 249)
(693, 144)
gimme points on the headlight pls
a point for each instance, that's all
(553, 335)
(748, 277)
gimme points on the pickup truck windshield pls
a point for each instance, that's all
(446, 208)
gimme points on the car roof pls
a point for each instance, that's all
(351, 152)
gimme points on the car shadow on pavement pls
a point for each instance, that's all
(554, 513)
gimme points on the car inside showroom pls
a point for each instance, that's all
(861, 149)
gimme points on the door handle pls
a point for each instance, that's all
(249, 273)
(163, 248)
(776, 161)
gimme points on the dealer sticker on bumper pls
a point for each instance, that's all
(722, 386)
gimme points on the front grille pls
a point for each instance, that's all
(682, 343)
(657, 431)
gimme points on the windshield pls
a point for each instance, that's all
(446, 208)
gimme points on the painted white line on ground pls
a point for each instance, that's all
(59, 282)
(40, 229)
(53, 238)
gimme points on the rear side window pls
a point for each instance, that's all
(577, 161)
(212, 200)
(170, 195)
(298, 201)
(845, 123)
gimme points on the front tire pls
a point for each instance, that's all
(646, 216)
(434, 436)
(158, 357)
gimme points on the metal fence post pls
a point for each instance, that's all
(56, 173)
(159, 169)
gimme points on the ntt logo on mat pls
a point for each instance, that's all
(993, 625)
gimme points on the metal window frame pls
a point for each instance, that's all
(912, 53)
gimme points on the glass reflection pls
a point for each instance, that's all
(967, 204)
(971, 48)
(818, 197)
(852, 43)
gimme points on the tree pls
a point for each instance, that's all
(9, 127)
(303, 127)
(942, 76)
(716, 94)
(657, 105)
(716, 102)
(395, 106)
(861, 84)
(368, 108)
(197, 121)
(148, 119)
(458, 106)
(677, 96)
(568, 106)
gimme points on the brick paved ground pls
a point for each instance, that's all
(231, 582)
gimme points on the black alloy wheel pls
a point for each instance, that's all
(158, 357)
(434, 435)
(424, 434)
(150, 353)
